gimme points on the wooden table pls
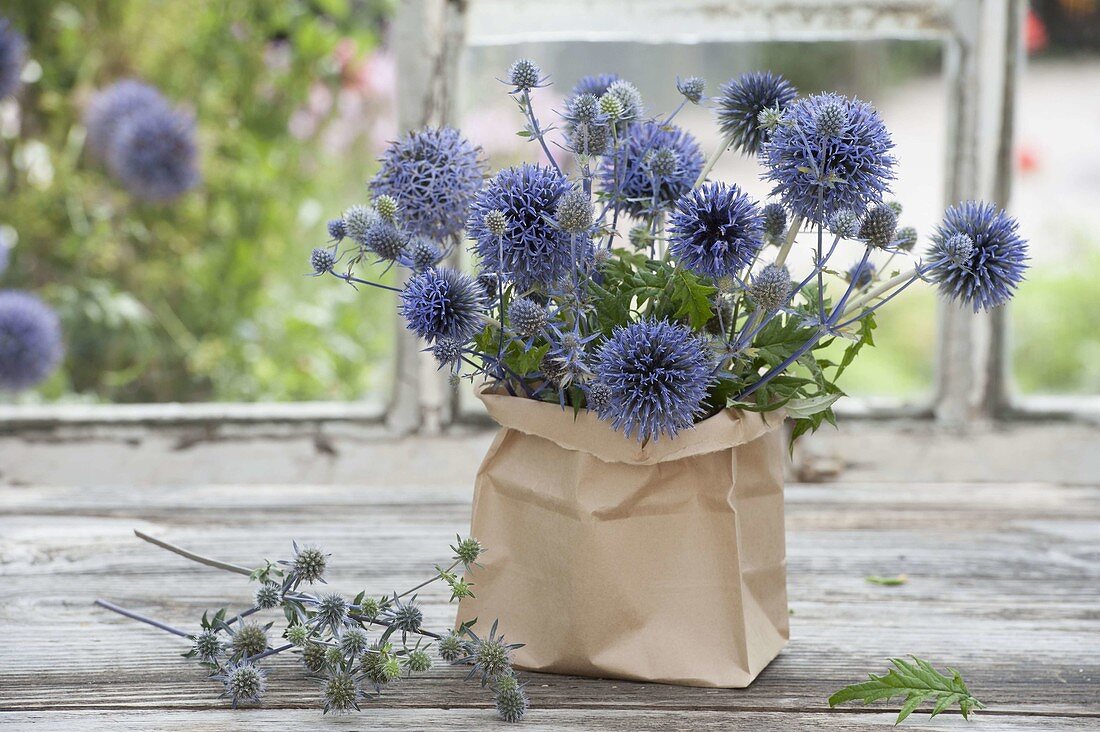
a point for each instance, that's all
(1004, 585)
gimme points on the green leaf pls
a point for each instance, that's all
(875, 579)
(918, 682)
(692, 298)
(803, 408)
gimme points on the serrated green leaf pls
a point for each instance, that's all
(918, 681)
(875, 579)
(804, 408)
(692, 298)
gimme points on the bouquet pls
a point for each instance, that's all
(617, 277)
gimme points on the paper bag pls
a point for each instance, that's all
(662, 563)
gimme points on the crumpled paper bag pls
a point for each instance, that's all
(663, 563)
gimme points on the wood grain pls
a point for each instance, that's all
(1003, 585)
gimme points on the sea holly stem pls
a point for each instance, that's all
(192, 556)
(876, 306)
(356, 281)
(792, 233)
(536, 131)
(140, 618)
(713, 160)
(437, 577)
(903, 279)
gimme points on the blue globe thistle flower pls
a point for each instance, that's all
(622, 102)
(535, 250)
(113, 105)
(906, 238)
(986, 271)
(526, 317)
(387, 241)
(847, 171)
(336, 230)
(331, 610)
(862, 274)
(269, 595)
(420, 254)
(433, 174)
(775, 220)
(597, 396)
(640, 190)
(740, 102)
(596, 85)
(443, 303)
(322, 260)
(716, 230)
(446, 351)
(451, 647)
(13, 51)
(524, 74)
(30, 340)
(692, 88)
(844, 223)
(658, 373)
(153, 154)
(771, 287)
(243, 683)
(878, 225)
(405, 616)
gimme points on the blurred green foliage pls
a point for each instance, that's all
(203, 298)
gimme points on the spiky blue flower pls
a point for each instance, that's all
(308, 565)
(433, 174)
(249, 640)
(113, 105)
(336, 230)
(269, 595)
(153, 154)
(658, 373)
(207, 645)
(997, 259)
(771, 287)
(243, 683)
(692, 88)
(597, 396)
(631, 166)
(446, 351)
(510, 699)
(419, 254)
(13, 51)
(816, 175)
(526, 317)
(322, 260)
(30, 340)
(354, 640)
(775, 220)
(331, 610)
(443, 302)
(878, 225)
(387, 241)
(596, 84)
(740, 102)
(524, 74)
(862, 274)
(451, 648)
(405, 616)
(341, 693)
(716, 230)
(534, 249)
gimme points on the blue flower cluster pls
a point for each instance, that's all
(443, 303)
(741, 102)
(643, 187)
(13, 50)
(30, 340)
(716, 230)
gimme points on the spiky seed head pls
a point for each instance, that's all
(357, 220)
(663, 162)
(451, 648)
(442, 302)
(391, 669)
(333, 656)
(895, 206)
(468, 550)
(906, 238)
(511, 702)
(313, 656)
(769, 118)
(380, 666)
(332, 610)
(386, 206)
(336, 230)
(309, 564)
(249, 640)
(446, 351)
(830, 119)
(269, 595)
(369, 608)
(420, 254)
(959, 249)
(552, 369)
(771, 287)
(598, 396)
(775, 221)
(354, 641)
(740, 102)
(297, 635)
(611, 106)
(208, 645)
(385, 240)
(629, 98)
(245, 683)
(496, 222)
(418, 662)
(490, 283)
(574, 213)
(692, 88)
(527, 317)
(601, 257)
(523, 74)
(492, 657)
(584, 109)
(405, 616)
(322, 260)
(878, 225)
(341, 693)
(844, 223)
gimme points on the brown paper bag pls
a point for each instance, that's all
(660, 563)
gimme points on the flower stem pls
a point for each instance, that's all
(355, 280)
(529, 109)
(192, 556)
(715, 156)
(796, 225)
(427, 582)
(140, 618)
(268, 652)
(902, 277)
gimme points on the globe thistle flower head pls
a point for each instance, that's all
(533, 249)
(434, 175)
(631, 106)
(586, 124)
(467, 550)
(113, 105)
(297, 635)
(369, 608)
(658, 373)
(353, 641)
(249, 640)
(906, 238)
(308, 565)
(244, 683)
(331, 610)
(526, 317)
(380, 665)
(663, 162)
(336, 230)
(314, 656)
(386, 207)
(13, 52)
(207, 645)
(496, 222)
(358, 221)
(997, 260)
(443, 303)
(628, 169)
(692, 88)
(598, 396)
(844, 223)
(862, 274)
(574, 212)
(716, 230)
(420, 254)
(740, 102)
(774, 221)
(816, 175)
(771, 287)
(596, 85)
(524, 75)
(322, 260)
(405, 616)
(385, 240)
(341, 693)
(830, 119)
(491, 656)
(896, 207)
(451, 648)
(30, 340)
(490, 284)
(417, 662)
(446, 351)
(612, 107)
(878, 225)
(269, 595)
(153, 154)
(334, 657)
(510, 700)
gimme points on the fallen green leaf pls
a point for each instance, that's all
(900, 579)
(917, 682)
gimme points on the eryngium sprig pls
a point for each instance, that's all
(692, 88)
(446, 351)
(815, 175)
(526, 317)
(30, 340)
(510, 699)
(269, 595)
(658, 373)
(574, 213)
(775, 220)
(341, 693)
(535, 250)
(771, 287)
(905, 238)
(878, 225)
(629, 171)
(420, 254)
(740, 102)
(998, 257)
(443, 303)
(491, 656)
(598, 396)
(404, 616)
(243, 683)
(207, 645)
(322, 260)
(384, 239)
(417, 662)
(249, 640)
(308, 565)
(716, 230)
(434, 175)
(331, 610)
(451, 647)
(13, 51)
(844, 223)
(153, 153)
(524, 74)
(353, 641)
